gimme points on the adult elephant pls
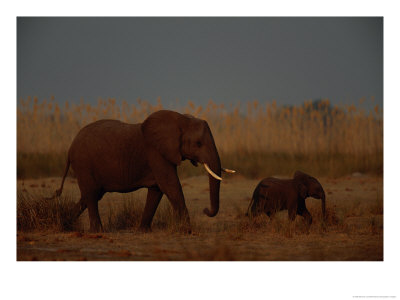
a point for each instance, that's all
(112, 156)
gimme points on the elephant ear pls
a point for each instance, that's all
(301, 180)
(162, 133)
(302, 190)
(300, 174)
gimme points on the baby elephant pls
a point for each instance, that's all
(272, 195)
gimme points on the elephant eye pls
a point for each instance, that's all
(198, 143)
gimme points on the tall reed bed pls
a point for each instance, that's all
(257, 139)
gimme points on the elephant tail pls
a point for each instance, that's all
(248, 213)
(251, 209)
(59, 191)
(255, 207)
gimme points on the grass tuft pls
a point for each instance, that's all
(128, 217)
(38, 213)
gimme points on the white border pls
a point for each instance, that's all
(330, 280)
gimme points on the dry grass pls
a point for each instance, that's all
(34, 212)
(353, 229)
(124, 211)
(258, 140)
(128, 216)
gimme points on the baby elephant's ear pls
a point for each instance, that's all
(300, 174)
(302, 190)
(161, 132)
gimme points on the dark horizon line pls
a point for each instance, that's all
(119, 100)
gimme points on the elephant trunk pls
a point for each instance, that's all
(214, 184)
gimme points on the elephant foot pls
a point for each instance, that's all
(96, 228)
(185, 229)
(181, 224)
(290, 230)
(324, 227)
(144, 229)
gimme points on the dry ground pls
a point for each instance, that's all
(354, 229)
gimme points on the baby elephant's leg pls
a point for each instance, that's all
(303, 211)
(270, 214)
(292, 216)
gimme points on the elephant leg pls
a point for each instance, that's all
(303, 211)
(94, 216)
(270, 214)
(181, 213)
(307, 216)
(173, 189)
(91, 201)
(292, 214)
(78, 209)
(167, 180)
(91, 194)
(154, 196)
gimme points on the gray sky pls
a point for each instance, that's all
(226, 59)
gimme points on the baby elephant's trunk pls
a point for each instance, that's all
(323, 205)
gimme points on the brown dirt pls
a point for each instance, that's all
(354, 228)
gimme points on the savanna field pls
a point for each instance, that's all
(342, 146)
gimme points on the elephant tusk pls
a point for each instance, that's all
(228, 170)
(211, 172)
